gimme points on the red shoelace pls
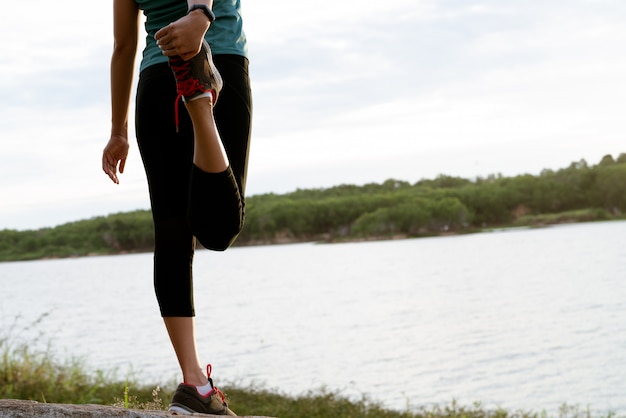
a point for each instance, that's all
(209, 369)
(185, 85)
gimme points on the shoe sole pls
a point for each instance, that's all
(179, 410)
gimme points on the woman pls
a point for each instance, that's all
(195, 156)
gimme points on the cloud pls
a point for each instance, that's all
(342, 94)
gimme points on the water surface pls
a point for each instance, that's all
(521, 319)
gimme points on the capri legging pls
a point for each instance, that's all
(187, 202)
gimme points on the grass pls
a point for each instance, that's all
(572, 216)
(38, 375)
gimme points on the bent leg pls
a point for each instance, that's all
(215, 211)
(209, 154)
(218, 178)
(233, 114)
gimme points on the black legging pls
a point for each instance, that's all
(186, 201)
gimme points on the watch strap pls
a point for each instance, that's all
(205, 9)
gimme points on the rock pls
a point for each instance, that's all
(11, 408)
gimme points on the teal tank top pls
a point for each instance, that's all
(225, 35)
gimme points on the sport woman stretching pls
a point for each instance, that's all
(195, 155)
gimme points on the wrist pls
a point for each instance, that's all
(120, 132)
(203, 9)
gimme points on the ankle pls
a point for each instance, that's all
(196, 378)
(207, 98)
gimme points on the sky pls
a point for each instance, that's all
(344, 93)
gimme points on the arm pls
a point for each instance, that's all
(184, 36)
(125, 36)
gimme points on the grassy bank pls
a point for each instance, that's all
(40, 376)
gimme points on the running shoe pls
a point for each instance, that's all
(187, 400)
(196, 78)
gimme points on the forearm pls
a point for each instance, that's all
(122, 65)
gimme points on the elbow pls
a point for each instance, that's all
(124, 50)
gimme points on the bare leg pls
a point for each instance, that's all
(209, 154)
(182, 335)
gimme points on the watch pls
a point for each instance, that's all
(205, 9)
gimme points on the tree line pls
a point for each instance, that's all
(395, 208)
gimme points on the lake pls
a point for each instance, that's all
(520, 318)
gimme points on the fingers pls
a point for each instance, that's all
(169, 52)
(180, 38)
(114, 178)
(168, 48)
(162, 33)
(112, 175)
(109, 166)
(166, 41)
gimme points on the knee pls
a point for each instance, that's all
(221, 237)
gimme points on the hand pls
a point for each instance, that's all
(184, 36)
(115, 152)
